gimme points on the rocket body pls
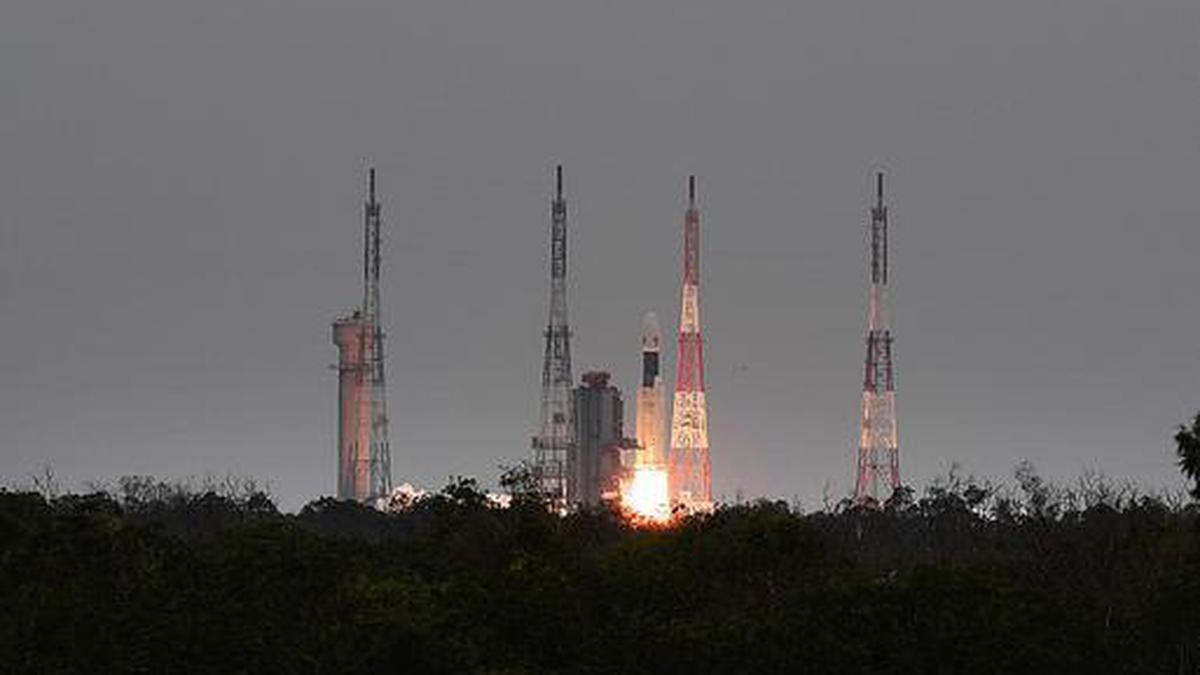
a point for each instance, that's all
(645, 490)
(651, 403)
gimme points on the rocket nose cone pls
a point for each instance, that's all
(651, 334)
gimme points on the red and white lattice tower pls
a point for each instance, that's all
(689, 472)
(556, 433)
(878, 448)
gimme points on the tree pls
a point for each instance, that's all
(1188, 442)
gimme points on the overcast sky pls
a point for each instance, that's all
(181, 189)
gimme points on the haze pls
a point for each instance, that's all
(181, 191)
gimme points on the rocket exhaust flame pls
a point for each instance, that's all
(645, 495)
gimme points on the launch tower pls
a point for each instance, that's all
(556, 435)
(364, 453)
(688, 469)
(878, 449)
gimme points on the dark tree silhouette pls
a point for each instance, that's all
(1188, 442)
(966, 577)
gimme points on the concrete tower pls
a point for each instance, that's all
(688, 468)
(556, 435)
(594, 462)
(878, 447)
(364, 452)
(354, 410)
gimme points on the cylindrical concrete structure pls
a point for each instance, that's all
(354, 409)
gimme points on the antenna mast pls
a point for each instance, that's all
(878, 448)
(556, 434)
(380, 459)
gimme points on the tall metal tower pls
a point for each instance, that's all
(556, 434)
(688, 468)
(878, 448)
(364, 451)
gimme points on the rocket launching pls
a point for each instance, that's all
(646, 494)
(650, 400)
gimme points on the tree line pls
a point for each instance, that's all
(968, 576)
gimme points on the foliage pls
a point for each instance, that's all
(966, 577)
(1188, 442)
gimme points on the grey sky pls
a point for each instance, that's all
(180, 218)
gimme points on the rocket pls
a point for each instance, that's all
(651, 404)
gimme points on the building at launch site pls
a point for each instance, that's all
(689, 471)
(597, 460)
(364, 463)
(878, 446)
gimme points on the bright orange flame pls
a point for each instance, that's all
(646, 494)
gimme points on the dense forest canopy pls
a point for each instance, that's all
(151, 577)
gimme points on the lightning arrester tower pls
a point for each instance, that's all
(878, 448)
(556, 434)
(688, 468)
(364, 452)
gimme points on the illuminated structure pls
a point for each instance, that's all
(552, 444)
(650, 401)
(364, 455)
(688, 468)
(645, 493)
(878, 448)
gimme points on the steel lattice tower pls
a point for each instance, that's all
(557, 432)
(381, 451)
(878, 448)
(364, 452)
(688, 469)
